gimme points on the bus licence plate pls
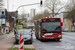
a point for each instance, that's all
(50, 38)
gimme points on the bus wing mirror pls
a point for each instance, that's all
(61, 23)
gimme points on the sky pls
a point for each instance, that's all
(14, 4)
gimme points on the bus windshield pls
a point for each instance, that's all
(51, 27)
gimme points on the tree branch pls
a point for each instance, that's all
(60, 9)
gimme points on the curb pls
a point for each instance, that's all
(35, 47)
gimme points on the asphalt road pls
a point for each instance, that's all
(66, 43)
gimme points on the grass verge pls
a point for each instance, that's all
(16, 48)
(67, 31)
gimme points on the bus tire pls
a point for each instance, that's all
(42, 40)
(57, 39)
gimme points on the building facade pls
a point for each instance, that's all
(66, 22)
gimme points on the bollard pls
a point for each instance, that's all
(21, 41)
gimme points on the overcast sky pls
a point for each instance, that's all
(14, 4)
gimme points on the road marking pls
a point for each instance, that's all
(69, 43)
(64, 47)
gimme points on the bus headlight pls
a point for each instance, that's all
(43, 36)
(59, 35)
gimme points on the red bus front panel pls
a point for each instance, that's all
(51, 36)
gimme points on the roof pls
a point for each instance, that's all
(12, 14)
(8, 17)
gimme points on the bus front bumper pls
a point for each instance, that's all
(52, 37)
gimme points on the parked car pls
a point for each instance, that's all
(27, 35)
(65, 29)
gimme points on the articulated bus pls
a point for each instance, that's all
(48, 28)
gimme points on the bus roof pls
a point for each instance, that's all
(51, 17)
(48, 18)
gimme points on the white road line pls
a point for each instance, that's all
(69, 44)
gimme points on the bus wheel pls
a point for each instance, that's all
(42, 40)
(57, 39)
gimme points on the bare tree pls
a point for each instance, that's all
(42, 15)
(70, 5)
(23, 13)
(46, 13)
(71, 16)
(22, 16)
(71, 11)
(38, 16)
(54, 6)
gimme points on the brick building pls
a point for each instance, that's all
(9, 18)
(11, 22)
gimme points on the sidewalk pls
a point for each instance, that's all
(3, 36)
(26, 46)
(7, 42)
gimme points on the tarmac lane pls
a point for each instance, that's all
(66, 43)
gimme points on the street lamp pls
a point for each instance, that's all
(27, 5)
